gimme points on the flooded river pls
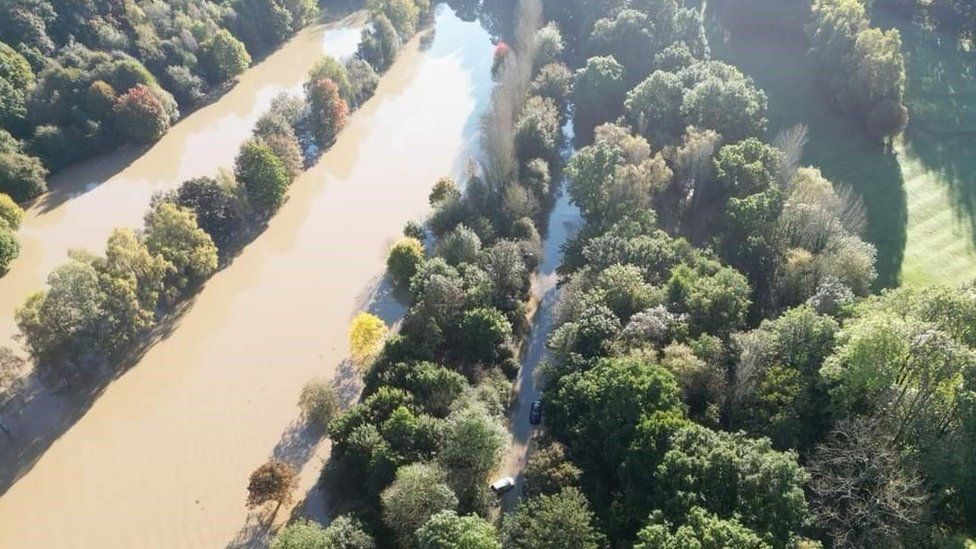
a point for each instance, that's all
(90, 199)
(161, 459)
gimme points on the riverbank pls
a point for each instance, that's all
(164, 454)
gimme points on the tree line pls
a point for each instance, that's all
(81, 78)
(96, 308)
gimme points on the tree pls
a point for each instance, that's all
(362, 79)
(599, 89)
(537, 131)
(461, 245)
(218, 210)
(653, 108)
(596, 411)
(223, 56)
(728, 475)
(735, 108)
(379, 43)
(446, 530)
(16, 82)
(11, 370)
(62, 325)
(343, 533)
(549, 46)
(22, 177)
(172, 233)
(263, 175)
(418, 493)
(9, 247)
(404, 259)
(329, 109)
(864, 493)
(404, 15)
(715, 304)
(701, 529)
(274, 481)
(480, 334)
(747, 167)
(319, 402)
(474, 443)
(140, 116)
(554, 81)
(328, 67)
(549, 471)
(366, 333)
(558, 521)
(628, 37)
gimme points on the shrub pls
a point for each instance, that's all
(10, 212)
(319, 402)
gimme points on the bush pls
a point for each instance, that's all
(404, 259)
(319, 402)
(10, 212)
(22, 177)
(140, 116)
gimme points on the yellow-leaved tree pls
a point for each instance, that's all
(365, 337)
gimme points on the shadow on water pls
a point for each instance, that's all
(941, 97)
(780, 65)
(42, 411)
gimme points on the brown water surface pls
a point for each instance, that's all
(161, 459)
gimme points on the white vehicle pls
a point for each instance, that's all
(502, 485)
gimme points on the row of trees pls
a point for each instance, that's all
(860, 67)
(692, 404)
(96, 308)
(80, 78)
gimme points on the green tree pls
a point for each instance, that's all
(418, 493)
(62, 325)
(736, 109)
(537, 131)
(219, 211)
(596, 411)
(558, 521)
(379, 43)
(548, 471)
(474, 443)
(9, 247)
(16, 82)
(404, 259)
(461, 245)
(403, 14)
(172, 233)
(554, 81)
(480, 334)
(223, 56)
(22, 177)
(700, 529)
(10, 212)
(653, 108)
(728, 475)
(263, 175)
(599, 89)
(446, 530)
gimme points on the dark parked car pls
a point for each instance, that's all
(535, 413)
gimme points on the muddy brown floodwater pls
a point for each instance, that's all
(161, 459)
(90, 199)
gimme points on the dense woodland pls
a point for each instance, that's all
(721, 374)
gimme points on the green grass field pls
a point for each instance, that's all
(921, 197)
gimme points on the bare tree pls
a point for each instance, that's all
(790, 142)
(864, 493)
(273, 481)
